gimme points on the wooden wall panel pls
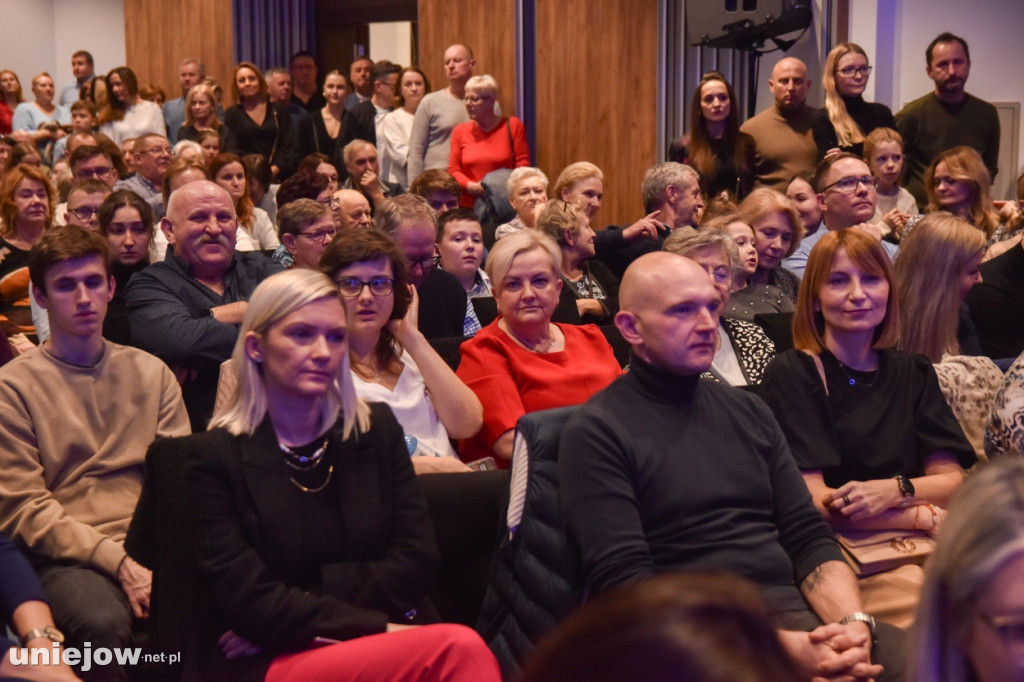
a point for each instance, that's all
(596, 95)
(160, 33)
(488, 28)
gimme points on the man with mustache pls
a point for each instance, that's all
(187, 308)
(947, 117)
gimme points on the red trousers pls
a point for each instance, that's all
(434, 653)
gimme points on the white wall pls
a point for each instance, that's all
(391, 41)
(41, 35)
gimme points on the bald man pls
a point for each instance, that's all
(783, 144)
(439, 112)
(351, 210)
(664, 471)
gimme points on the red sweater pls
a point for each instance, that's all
(511, 381)
(475, 153)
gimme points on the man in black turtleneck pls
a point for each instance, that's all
(663, 471)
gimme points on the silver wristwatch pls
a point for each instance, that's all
(863, 617)
(49, 632)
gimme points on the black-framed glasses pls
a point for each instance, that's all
(849, 184)
(350, 287)
(425, 263)
(84, 213)
(319, 235)
(851, 71)
(101, 172)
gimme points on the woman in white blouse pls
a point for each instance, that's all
(126, 115)
(397, 125)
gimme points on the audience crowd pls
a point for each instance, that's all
(794, 375)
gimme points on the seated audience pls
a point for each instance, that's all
(351, 210)
(522, 362)
(746, 298)
(126, 114)
(69, 487)
(83, 204)
(527, 192)
(151, 156)
(958, 182)
(186, 308)
(438, 187)
(444, 308)
(306, 228)
(801, 191)
(638, 503)
(256, 231)
(126, 222)
(591, 283)
(486, 142)
(876, 443)
(360, 159)
(320, 163)
(997, 304)
(742, 349)
(936, 268)
(971, 603)
(27, 203)
(392, 362)
(883, 151)
(179, 173)
(280, 602)
(777, 234)
(692, 627)
(460, 245)
(26, 608)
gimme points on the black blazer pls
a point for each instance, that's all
(255, 571)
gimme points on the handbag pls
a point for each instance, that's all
(875, 551)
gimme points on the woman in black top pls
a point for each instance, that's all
(846, 119)
(255, 125)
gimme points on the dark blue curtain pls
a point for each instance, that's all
(268, 32)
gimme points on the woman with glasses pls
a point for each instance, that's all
(126, 114)
(970, 625)
(742, 349)
(868, 425)
(257, 231)
(392, 362)
(958, 182)
(715, 148)
(846, 118)
(778, 230)
(313, 544)
(523, 362)
(306, 227)
(485, 143)
(593, 285)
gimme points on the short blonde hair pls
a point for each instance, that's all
(505, 250)
(573, 173)
(276, 297)
(484, 85)
(524, 173)
(683, 242)
(765, 200)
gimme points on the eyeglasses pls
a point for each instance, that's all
(720, 275)
(319, 235)
(425, 263)
(94, 172)
(848, 185)
(84, 213)
(474, 99)
(851, 71)
(351, 287)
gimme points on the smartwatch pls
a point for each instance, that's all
(906, 487)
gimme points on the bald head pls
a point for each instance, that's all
(201, 226)
(789, 84)
(351, 210)
(669, 313)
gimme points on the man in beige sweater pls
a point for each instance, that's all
(77, 415)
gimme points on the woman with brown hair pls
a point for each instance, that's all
(778, 230)
(255, 125)
(846, 119)
(320, 133)
(126, 114)
(717, 150)
(257, 231)
(397, 125)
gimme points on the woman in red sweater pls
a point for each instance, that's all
(485, 143)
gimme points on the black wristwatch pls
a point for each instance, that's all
(906, 487)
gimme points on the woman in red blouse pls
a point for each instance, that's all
(485, 143)
(522, 362)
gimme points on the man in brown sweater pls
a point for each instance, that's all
(77, 415)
